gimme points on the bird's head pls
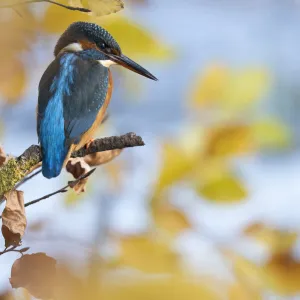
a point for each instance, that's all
(95, 42)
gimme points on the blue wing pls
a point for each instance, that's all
(71, 93)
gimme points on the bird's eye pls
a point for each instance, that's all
(102, 46)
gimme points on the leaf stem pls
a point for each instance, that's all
(86, 10)
(64, 189)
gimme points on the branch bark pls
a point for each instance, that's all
(17, 168)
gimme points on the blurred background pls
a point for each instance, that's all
(209, 208)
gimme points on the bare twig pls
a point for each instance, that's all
(27, 178)
(13, 249)
(17, 12)
(86, 10)
(64, 189)
(17, 168)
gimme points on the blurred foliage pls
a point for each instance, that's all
(138, 41)
(277, 241)
(17, 35)
(234, 90)
(20, 29)
(99, 7)
(148, 266)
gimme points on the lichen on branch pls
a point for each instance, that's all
(17, 168)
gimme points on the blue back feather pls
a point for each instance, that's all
(52, 134)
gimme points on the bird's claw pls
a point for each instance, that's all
(88, 144)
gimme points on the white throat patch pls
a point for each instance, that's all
(74, 47)
(106, 63)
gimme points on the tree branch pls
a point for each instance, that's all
(64, 189)
(13, 249)
(17, 168)
(86, 10)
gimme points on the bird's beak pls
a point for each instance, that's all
(131, 65)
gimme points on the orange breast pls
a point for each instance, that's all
(90, 133)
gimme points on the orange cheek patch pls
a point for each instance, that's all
(88, 45)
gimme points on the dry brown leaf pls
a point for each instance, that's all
(100, 158)
(6, 296)
(2, 156)
(13, 218)
(35, 272)
(78, 167)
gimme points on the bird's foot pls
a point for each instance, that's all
(88, 144)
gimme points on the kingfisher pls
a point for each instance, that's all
(75, 90)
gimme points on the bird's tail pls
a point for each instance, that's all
(53, 160)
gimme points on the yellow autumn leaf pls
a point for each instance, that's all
(135, 286)
(147, 254)
(240, 291)
(230, 89)
(12, 80)
(163, 288)
(54, 13)
(102, 7)
(209, 85)
(282, 275)
(278, 241)
(75, 3)
(223, 188)
(229, 139)
(246, 272)
(176, 164)
(135, 41)
(170, 220)
(271, 133)
(17, 33)
(244, 87)
(192, 140)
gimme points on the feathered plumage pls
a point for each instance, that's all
(75, 90)
(69, 100)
